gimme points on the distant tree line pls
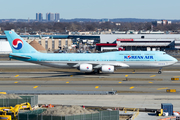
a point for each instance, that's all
(63, 27)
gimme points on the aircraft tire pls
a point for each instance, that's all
(97, 71)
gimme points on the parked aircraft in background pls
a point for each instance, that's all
(88, 62)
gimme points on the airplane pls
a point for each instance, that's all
(106, 62)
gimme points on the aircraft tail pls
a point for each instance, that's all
(18, 45)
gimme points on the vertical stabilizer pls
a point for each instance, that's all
(18, 45)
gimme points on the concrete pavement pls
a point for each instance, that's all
(129, 101)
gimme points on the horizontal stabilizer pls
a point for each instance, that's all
(22, 57)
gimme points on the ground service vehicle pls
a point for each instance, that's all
(11, 113)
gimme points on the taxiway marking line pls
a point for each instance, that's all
(152, 75)
(133, 72)
(35, 86)
(126, 75)
(16, 82)
(67, 82)
(96, 87)
(120, 82)
(16, 75)
(175, 81)
(176, 76)
(3, 93)
(162, 88)
(151, 82)
(131, 87)
(71, 75)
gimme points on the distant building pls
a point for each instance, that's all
(5, 47)
(169, 22)
(132, 32)
(49, 16)
(117, 24)
(119, 32)
(158, 22)
(104, 20)
(150, 32)
(56, 16)
(162, 22)
(39, 17)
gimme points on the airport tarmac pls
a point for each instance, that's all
(143, 82)
(128, 101)
(125, 87)
(139, 89)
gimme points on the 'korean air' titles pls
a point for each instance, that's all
(138, 57)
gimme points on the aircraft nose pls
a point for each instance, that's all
(175, 60)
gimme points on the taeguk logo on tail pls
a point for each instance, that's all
(17, 44)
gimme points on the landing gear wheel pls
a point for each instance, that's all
(159, 72)
(96, 71)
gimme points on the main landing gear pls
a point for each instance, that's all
(96, 71)
(159, 72)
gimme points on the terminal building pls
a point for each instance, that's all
(143, 42)
(102, 42)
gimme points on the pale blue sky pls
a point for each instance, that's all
(153, 9)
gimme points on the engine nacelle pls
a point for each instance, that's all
(86, 68)
(107, 69)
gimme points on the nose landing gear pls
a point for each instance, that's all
(159, 72)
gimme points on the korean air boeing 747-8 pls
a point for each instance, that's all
(88, 62)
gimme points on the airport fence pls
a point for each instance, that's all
(7, 102)
(101, 115)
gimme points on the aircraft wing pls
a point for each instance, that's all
(113, 64)
(98, 65)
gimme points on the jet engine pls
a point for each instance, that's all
(86, 68)
(107, 69)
